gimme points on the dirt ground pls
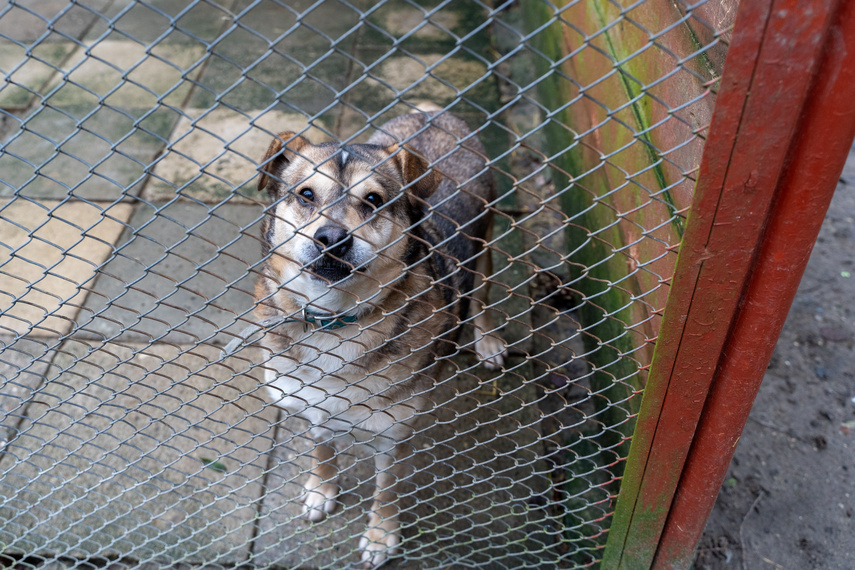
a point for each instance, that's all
(789, 496)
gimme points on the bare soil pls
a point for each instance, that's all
(789, 496)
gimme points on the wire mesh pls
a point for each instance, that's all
(173, 397)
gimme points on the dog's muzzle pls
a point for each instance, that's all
(333, 241)
(333, 244)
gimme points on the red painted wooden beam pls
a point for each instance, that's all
(821, 145)
(775, 52)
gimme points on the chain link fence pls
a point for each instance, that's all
(132, 239)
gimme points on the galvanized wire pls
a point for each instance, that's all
(132, 133)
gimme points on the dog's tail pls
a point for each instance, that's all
(428, 107)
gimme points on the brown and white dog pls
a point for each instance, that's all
(374, 255)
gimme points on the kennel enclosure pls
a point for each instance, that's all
(662, 171)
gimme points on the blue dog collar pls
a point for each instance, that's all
(319, 320)
(331, 322)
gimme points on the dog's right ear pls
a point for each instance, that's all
(415, 171)
(277, 156)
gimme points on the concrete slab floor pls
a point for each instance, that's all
(134, 443)
(51, 252)
(215, 154)
(23, 365)
(55, 19)
(181, 273)
(473, 497)
(147, 452)
(102, 155)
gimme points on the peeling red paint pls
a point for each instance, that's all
(755, 127)
(816, 158)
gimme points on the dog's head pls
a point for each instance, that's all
(337, 223)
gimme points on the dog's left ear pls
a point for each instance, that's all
(418, 177)
(276, 156)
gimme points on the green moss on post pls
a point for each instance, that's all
(594, 268)
(594, 265)
(621, 139)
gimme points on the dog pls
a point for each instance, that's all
(374, 255)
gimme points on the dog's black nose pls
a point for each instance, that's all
(333, 240)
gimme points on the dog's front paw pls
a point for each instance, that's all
(379, 543)
(490, 350)
(320, 501)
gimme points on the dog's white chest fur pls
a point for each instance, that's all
(320, 379)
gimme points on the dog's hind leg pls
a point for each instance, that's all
(488, 345)
(382, 537)
(321, 488)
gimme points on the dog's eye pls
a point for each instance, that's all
(373, 200)
(306, 196)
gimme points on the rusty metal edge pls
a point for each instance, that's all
(753, 128)
(821, 146)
